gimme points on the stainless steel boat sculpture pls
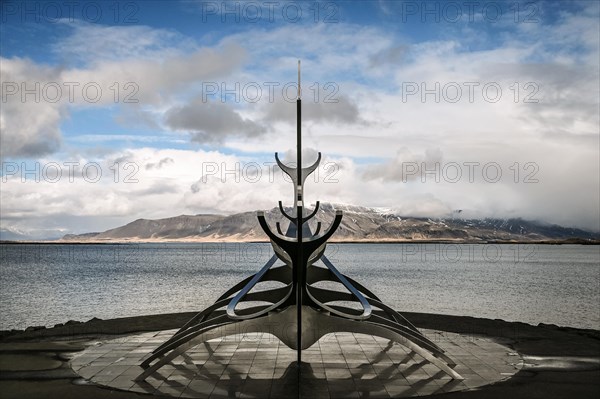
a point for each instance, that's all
(299, 313)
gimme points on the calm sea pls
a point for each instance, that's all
(49, 284)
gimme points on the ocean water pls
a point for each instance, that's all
(49, 284)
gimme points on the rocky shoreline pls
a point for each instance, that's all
(125, 325)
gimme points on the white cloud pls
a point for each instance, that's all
(211, 122)
(93, 43)
(29, 125)
(142, 72)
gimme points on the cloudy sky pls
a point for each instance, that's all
(116, 111)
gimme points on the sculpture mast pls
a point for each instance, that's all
(299, 138)
(299, 272)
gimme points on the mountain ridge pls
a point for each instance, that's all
(360, 224)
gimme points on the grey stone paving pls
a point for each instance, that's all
(340, 365)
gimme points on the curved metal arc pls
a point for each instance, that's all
(291, 172)
(321, 274)
(223, 319)
(284, 213)
(396, 315)
(225, 296)
(317, 273)
(384, 332)
(178, 348)
(257, 277)
(272, 323)
(193, 331)
(321, 296)
(414, 335)
(267, 296)
(282, 241)
(271, 295)
(361, 287)
(326, 295)
(316, 255)
(317, 230)
(365, 314)
(281, 274)
(312, 244)
(408, 334)
(282, 254)
(312, 214)
(199, 318)
(308, 170)
(363, 301)
(273, 274)
(262, 296)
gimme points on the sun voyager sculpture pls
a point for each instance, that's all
(299, 313)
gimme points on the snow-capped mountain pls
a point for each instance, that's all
(359, 224)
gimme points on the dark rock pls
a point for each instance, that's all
(35, 328)
(8, 333)
(551, 326)
(71, 322)
(93, 319)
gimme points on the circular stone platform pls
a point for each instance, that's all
(259, 366)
